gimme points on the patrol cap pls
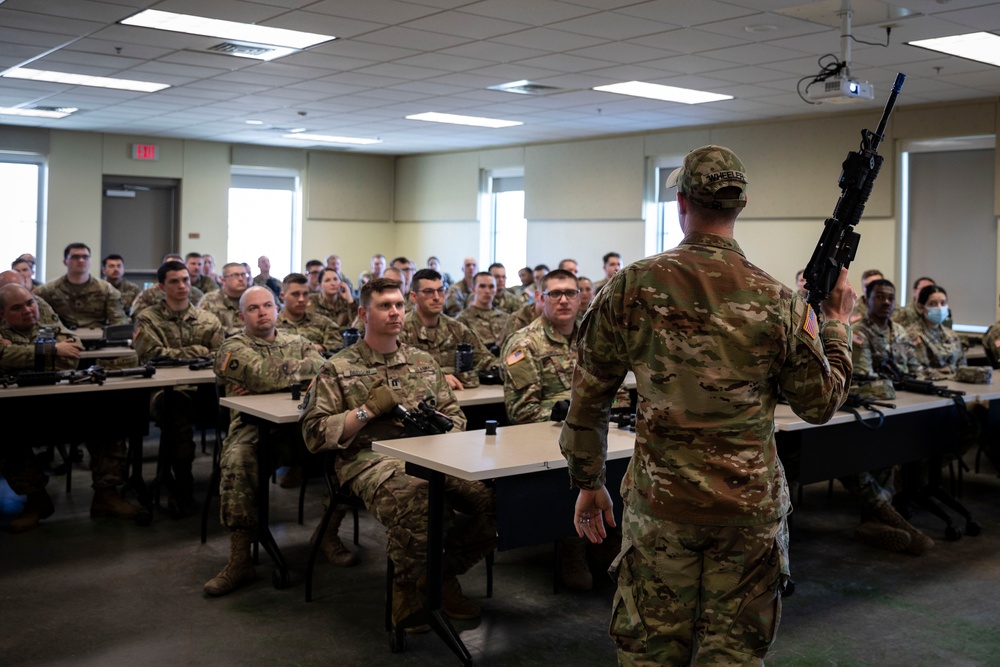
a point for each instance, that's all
(707, 170)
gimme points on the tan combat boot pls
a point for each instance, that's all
(453, 602)
(292, 479)
(108, 503)
(573, 568)
(919, 543)
(332, 547)
(238, 571)
(879, 535)
(407, 612)
(38, 506)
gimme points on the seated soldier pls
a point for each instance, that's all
(937, 347)
(313, 268)
(20, 329)
(878, 341)
(208, 269)
(225, 303)
(861, 305)
(154, 294)
(295, 318)
(586, 295)
(260, 360)
(334, 300)
(521, 318)
(78, 298)
(612, 264)
(113, 271)
(910, 314)
(175, 329)
(46, 316)
(333, 262)
(538, 363)
(460, 293)
(506, 299)
(481, 315)
(195, 265)
(350, 405)
(427, 328)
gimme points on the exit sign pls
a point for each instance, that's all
(145, 152)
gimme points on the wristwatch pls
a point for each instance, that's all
(361, 414)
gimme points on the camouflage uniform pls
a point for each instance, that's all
(225, 308)
(938, 349)
(108, 464)
(270, 283)
(711, 339)
(162, 332)
(154, 295)
(599, 284)
(457, 297)
(991, 343)
(442, 341)
(489, 325)
(316, 328)
(206, 284)
(95, 303)
(396, 500)
(860, 311)
(521, 318)
(340, 311)
(907, 316)
(507, 301)
(46, 316)
(537, 364)
(129, 292)
(874, 345)
(250, 364)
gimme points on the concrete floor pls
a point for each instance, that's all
(83, 592)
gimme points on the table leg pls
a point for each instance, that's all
(435, 568)
(264, 536)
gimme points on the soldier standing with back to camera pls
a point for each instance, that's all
(711, 339)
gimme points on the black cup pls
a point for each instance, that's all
(491, 427)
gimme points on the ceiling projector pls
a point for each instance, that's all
(840, 91)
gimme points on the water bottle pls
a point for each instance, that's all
(463, 358)
(45, 350)
(351, 336)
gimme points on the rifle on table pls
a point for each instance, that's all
(909, 382)
(93, 375)
(838, 244)
(856, 401)
(623, 417)
(115, 335)
(194, 363)
(424, 420)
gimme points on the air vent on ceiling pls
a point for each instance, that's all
(525, 88)
(245, 50)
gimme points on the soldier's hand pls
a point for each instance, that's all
(68, 349)
(381, 400)
(453, 382)
(840, 303)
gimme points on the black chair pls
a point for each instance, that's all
(337, 497)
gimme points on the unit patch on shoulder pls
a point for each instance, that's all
(229, 363)
(858, 339)
(514, 357)
(811, 325)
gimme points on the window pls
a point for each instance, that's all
(263, 220)
(664, 227)
(505, 230)
(21, 190)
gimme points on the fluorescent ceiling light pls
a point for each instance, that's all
(982, 47)
(59, 112)
(666, 93)
(84, 80)
(198, 25)
(332, 139)
(454, 119)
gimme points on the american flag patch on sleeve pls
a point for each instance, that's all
(811, 325)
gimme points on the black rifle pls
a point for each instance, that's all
(907, 382)
(194, 363)
(839, 242)
(94, 375)
(624, 418)
(855, 401)
(424, 420)
(115, 335)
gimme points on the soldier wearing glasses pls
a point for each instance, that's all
(225, 303)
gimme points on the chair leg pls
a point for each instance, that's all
(302, 495)
(489, 573)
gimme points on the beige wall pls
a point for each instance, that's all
(582, 198)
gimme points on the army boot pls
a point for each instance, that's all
(331, 546)
(238, 571)
(879, 535)
(407, 612)
(573, 569)
(292, 479)
(453, 602)
(107, 502)
(38, 506)
(919, 543)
